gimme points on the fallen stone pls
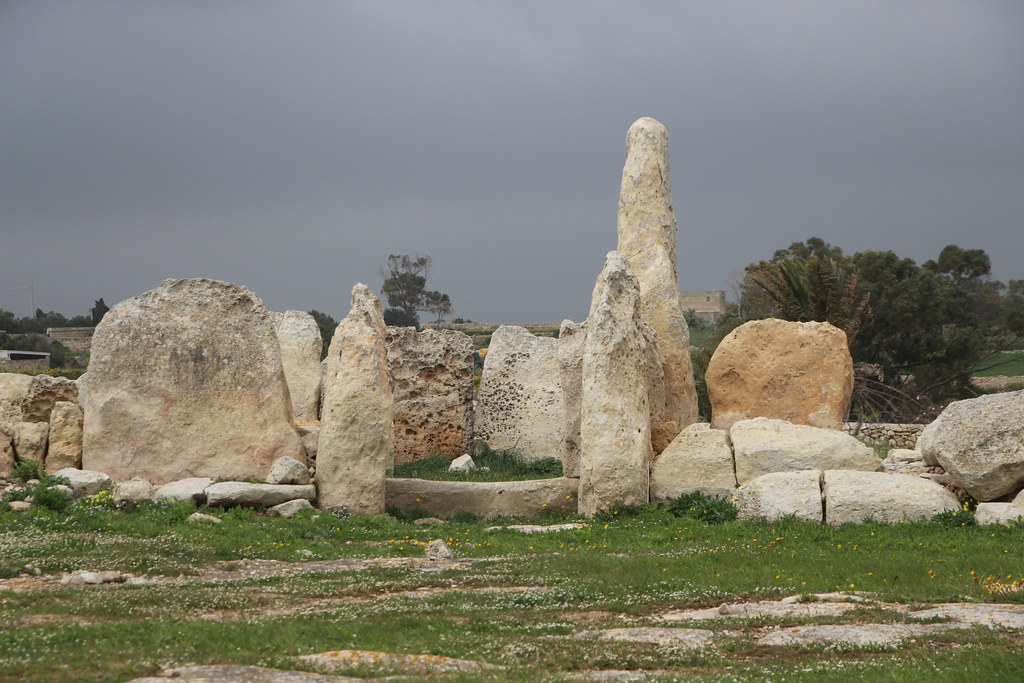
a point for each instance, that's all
(356, 427)
(290, 508)
(191, 490)
(981, 442)
(65, 437)
(310, 440)
(486, 499)
(779, 494)
(852, 497)
(298, 337)
(133, 491)
(199, 517)
(407, 664)
(798, 372)
(231, 673)
(462, 464)
(232, 493)
(1007, 514)
(186, 380)
(84, 482)
(30, 440)
(681, 638)
(698, 459)
(438, 550)
(519, 404)
(647, 240)
(763, 445)
(976, 613)
(432, 383)
(288, 470)
(538, 528)
(851, 634)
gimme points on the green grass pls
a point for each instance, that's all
(1010, 365)
(517, 604)
(504, 465)
(699, 336)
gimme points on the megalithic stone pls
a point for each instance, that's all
(356, 426)
(647, 238)
(615, 424)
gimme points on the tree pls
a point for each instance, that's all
(327, 325)
(405, 287)
(99, 308)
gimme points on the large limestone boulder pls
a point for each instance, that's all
(30, 440)
(354, 453)
(615, 418)
(1006, 514)
(779, 494)
(186, 380)
(698, 459)
(980, 441)
(572, 339)
(647, 239)
(43, 393)
(65, 440)
(762, 445)
(432, 382)
(519, 404)
(799, 372)
(299, 338)
(13, 387)
(852, 497)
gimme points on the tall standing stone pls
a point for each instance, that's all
(298, 335)
(615, 417)
(65, 449)
(432, 381)
(647, 238)
(520, 399)
(572, 340)
(356, 428)
(186, 381)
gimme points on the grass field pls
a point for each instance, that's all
(1009, 365)
(517, 601)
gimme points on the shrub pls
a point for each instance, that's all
(955, 519)
(28, 469)
(705, 508)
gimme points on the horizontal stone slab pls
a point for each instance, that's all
(485, 499)
(231, 493)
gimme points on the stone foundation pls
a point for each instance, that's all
(896, 435)
(486, 498)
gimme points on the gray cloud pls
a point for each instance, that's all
(292, 146)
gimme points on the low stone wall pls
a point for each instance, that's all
(896, 435)
(486, 499)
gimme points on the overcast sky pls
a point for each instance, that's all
(291, 146)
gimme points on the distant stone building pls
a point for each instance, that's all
(24, 360)
(708, 303)
(74, 338)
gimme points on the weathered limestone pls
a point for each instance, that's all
(778, 494)
(290, 508)
(615, 416)
(13, 387)
(43, 393)
(6, 448)
(438, 551)
(519, 405)
(432, 382)
(799, 372)
(647, 239)
(1008, 514)
(356, 425)
(30, 440)
(190, 490)
(980, 441)
(852, 497)
(186, 379)
(463, 464)
(133, 491)
(484, 498)
(232, 493)
(572, 339)
(298, 337)
(65, 449)
(84, 482)
(288, 470)
(762, 445)
(698, 459)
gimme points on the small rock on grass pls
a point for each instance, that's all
(230, 673)
(426, 521)
(408, 664)
(290, 508)
(438, 550)
(463, 463)
(200, 517)
(19, 505)
(81, 577)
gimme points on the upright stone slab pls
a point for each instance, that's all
(615, 420)
(798, 372)
(65, 449)
(186, 380)
(298, 335)
(356, 423)
(572, 339)
(432, 382)
(6, 448)
(519, 405)
(13, 387)
(647, 238)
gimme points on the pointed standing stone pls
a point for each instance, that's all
(298, 335)
(615, 424)
(356, 429)
(647, 238)
(572, 339)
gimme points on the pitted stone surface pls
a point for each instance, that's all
(186, 380)
(42, 393)
(298, 337)
(519, 404)
(13, 387)
(798, 372)
(432, 382)
(647, 239)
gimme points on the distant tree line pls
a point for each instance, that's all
(28, 333)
